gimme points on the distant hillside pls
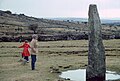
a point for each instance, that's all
(14, 27)
(105, 21)
(71, 19)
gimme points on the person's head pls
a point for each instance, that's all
(26, 41)
(34, 36)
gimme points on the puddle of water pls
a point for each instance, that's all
(80, 75)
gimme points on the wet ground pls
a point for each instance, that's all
(80, 75)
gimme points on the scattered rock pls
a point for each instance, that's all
(54, 70)
(67, 66)
(67, 79)
(60, 66)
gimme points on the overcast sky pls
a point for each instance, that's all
(61, 8)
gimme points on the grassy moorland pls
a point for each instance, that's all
(53, 58)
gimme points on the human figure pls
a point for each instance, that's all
(34, 50)
(20, 39)
(25, 53)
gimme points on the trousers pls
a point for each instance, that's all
(33, 61)
(26, 58)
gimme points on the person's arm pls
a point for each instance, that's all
(29, 46)
(21, 46)
(36, 44)
(33, 47)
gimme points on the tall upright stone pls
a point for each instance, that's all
(96, 68)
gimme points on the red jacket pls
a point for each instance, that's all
(25, 50)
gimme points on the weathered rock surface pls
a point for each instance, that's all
(96, 56)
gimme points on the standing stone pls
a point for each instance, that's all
(96, 68)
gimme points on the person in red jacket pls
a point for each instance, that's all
(25, 52)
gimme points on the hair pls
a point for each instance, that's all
(34, 36)
(26, 41)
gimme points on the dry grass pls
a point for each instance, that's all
(62, 55)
